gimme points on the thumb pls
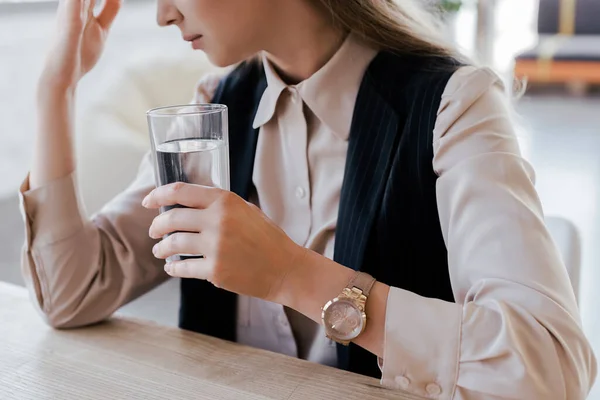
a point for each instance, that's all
(110, 9)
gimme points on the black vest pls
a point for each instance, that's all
(388, 222)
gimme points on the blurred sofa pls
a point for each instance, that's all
(568, 49)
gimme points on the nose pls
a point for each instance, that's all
(167, 14)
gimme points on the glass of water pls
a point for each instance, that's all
(190, 144)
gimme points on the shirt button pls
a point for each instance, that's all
(300, 192)
(402, 382)
(433, 389)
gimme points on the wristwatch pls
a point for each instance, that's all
(344, 317)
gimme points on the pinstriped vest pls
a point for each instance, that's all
(388, 222)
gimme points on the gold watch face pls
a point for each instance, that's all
(343, 320)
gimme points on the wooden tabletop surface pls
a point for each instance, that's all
(129, 359)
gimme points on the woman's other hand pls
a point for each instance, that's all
(79, 42)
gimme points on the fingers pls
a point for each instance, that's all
(72, 15)
(192, 268)
(185, 194)
(179, 243)
(109, 12)
(72, 19)
(177, 220)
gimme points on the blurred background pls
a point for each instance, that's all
(554, 44)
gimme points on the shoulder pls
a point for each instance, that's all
(475, 117)
(471, 93)
(472, 82)
(408, 82)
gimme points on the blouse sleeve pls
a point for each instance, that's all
(514, 331)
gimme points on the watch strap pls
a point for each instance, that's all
(363, 282)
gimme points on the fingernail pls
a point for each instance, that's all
(145, 201)
(155, 249)
(168, 268)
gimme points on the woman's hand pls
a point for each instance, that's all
(79, 41)
(244, 251)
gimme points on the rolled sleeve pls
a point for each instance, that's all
(52, 212)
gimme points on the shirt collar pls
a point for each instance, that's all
(330, 93)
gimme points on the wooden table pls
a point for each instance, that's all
(127, 359)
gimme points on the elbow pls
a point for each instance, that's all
(563, 363)
(59, 308)
(58, 324)
(540, 356)
(61, 323)
(63, 313)
(61, 320)
(579, 366)
(73, 312)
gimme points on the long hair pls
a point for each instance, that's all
(409, 27)
(402, 27)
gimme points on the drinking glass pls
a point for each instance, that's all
(190, 143)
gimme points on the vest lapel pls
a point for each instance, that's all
(373, 138)
(242, 147)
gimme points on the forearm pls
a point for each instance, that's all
(317, 280)
(54, 156)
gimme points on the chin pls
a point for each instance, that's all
(225, 59)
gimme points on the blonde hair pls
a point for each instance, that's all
(401, 27)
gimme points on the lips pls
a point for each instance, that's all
(191, 38)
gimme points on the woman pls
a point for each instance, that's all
(350, 120)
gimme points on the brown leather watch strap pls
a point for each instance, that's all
(363, 282)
